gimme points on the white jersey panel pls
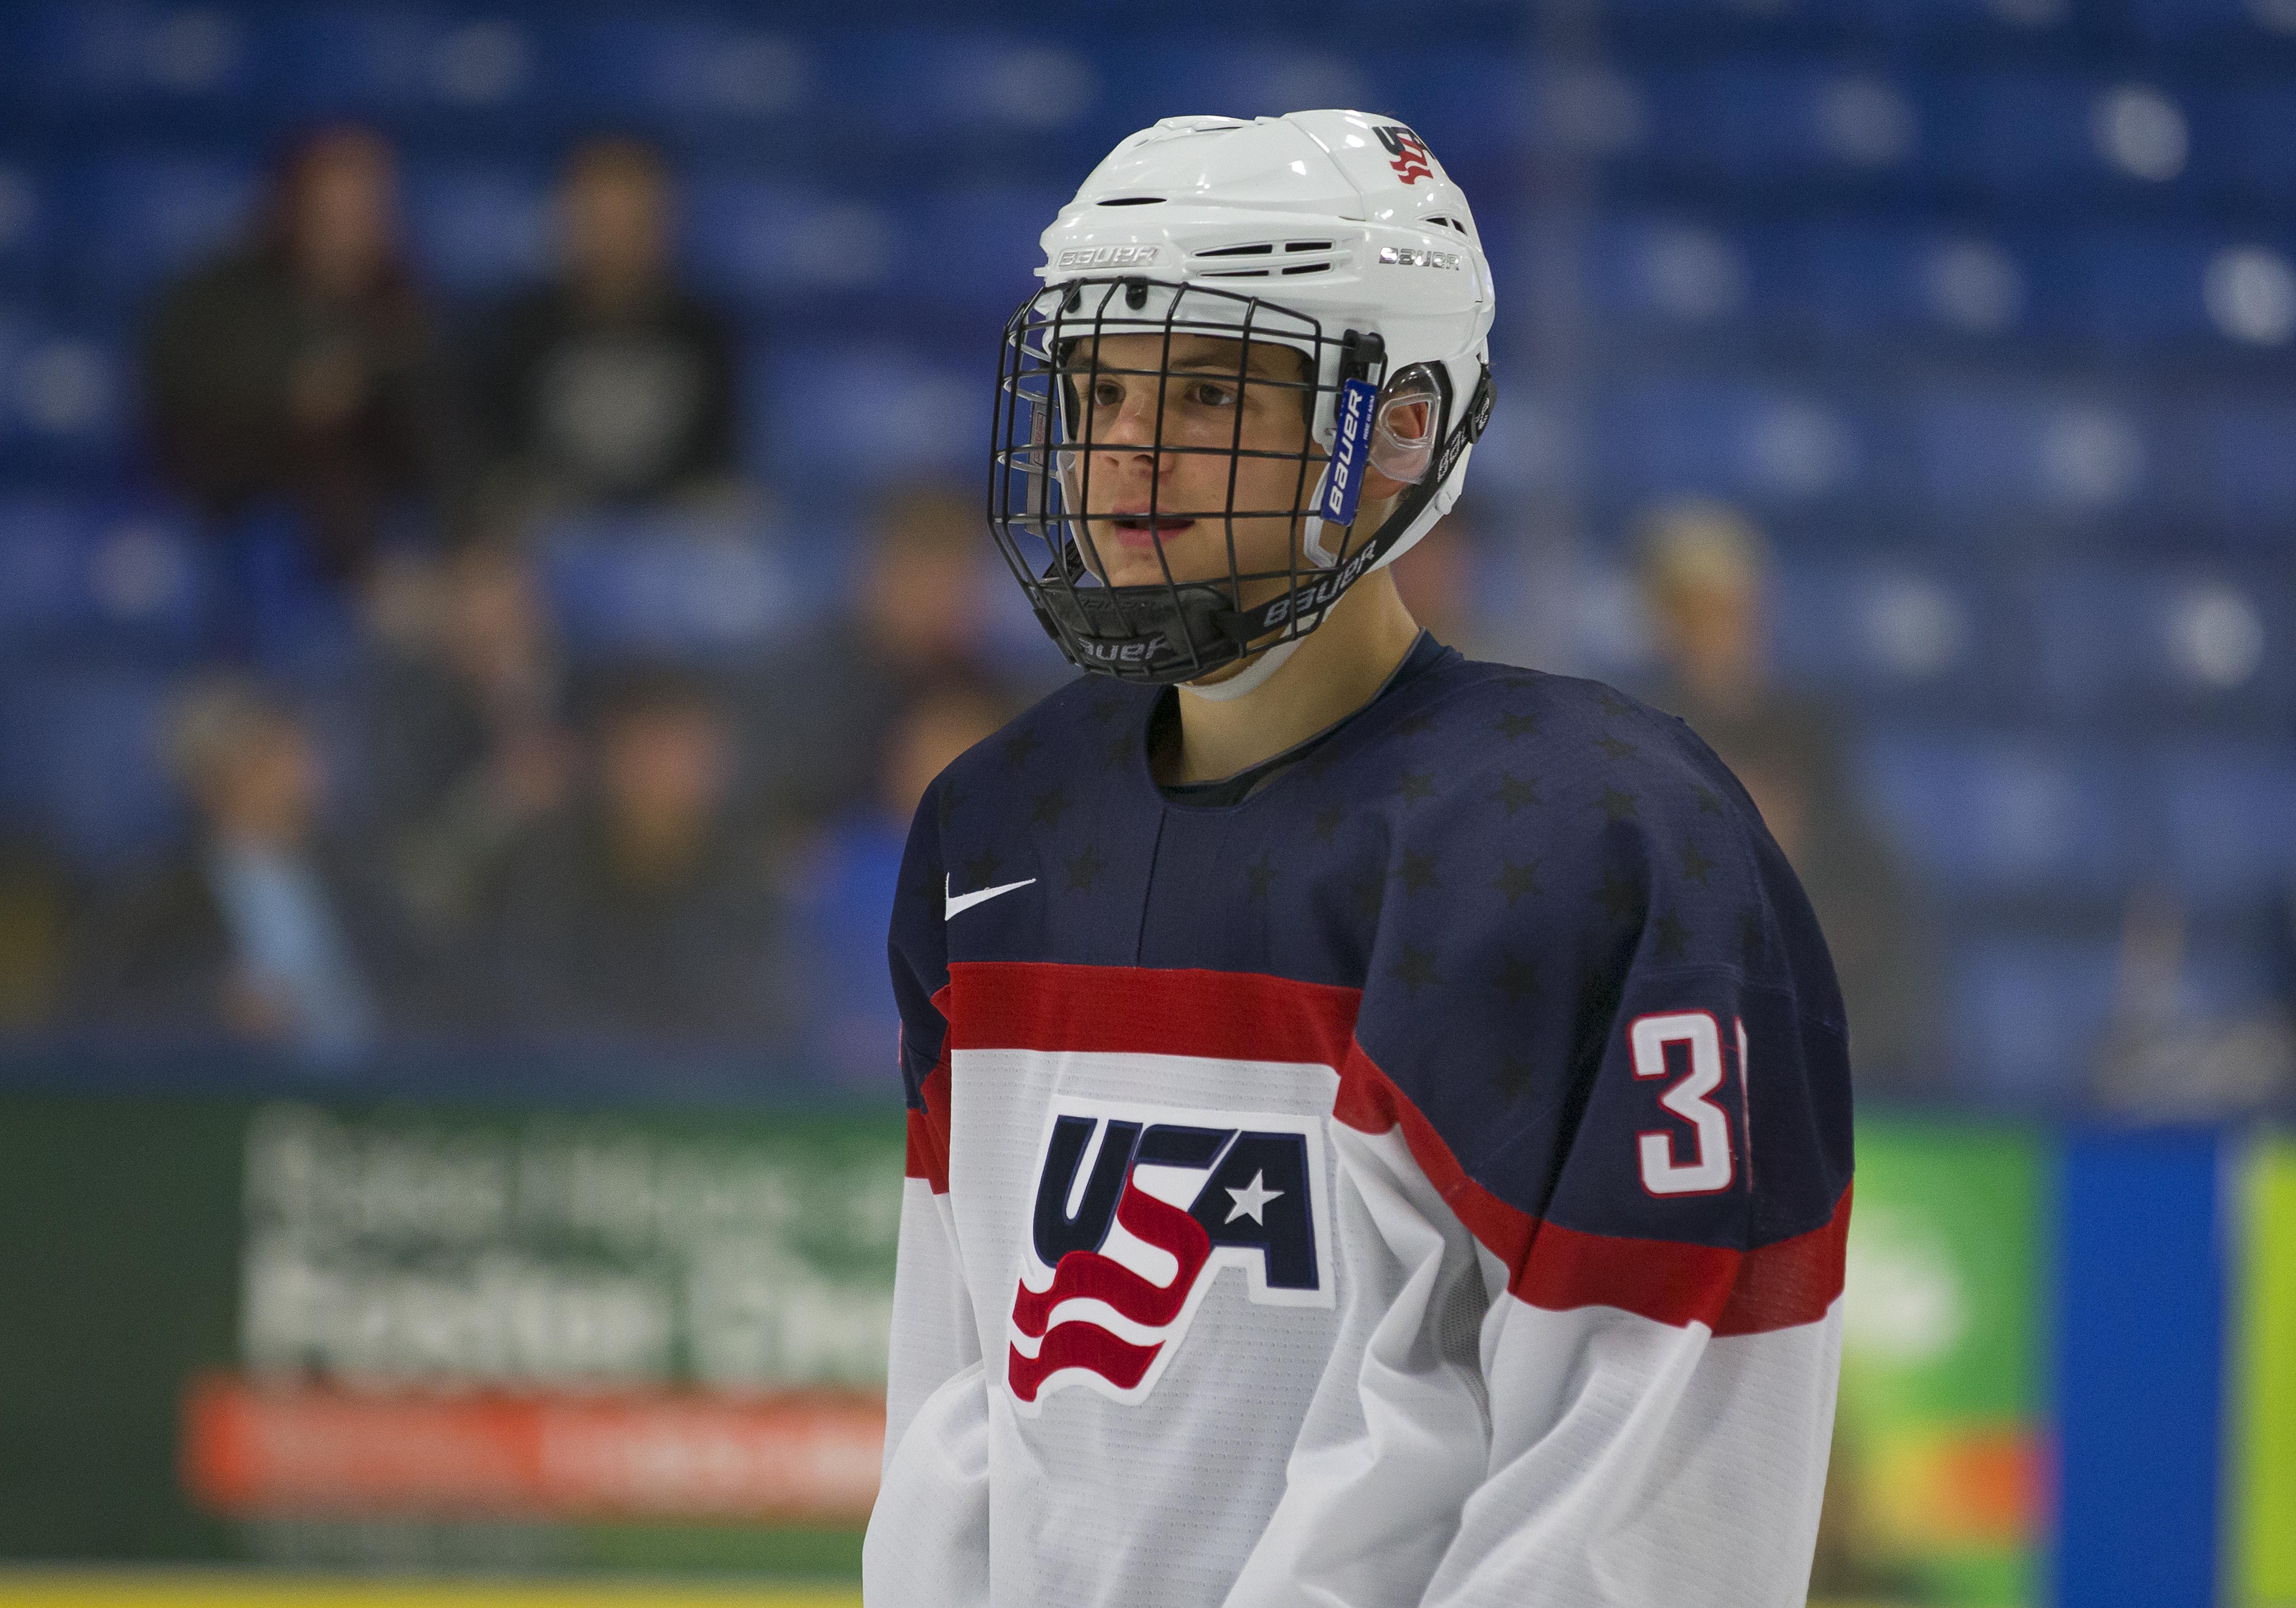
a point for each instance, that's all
(1144, 1493)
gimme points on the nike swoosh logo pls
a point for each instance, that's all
(965, 901)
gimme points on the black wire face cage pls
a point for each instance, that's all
(1050, 422)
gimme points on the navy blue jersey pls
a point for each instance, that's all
(1505, 971)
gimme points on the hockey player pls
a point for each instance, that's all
(1379, 1123)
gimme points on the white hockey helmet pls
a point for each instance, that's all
(1335, 233)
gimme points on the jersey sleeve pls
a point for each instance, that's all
(1593, 1161)
(928, 1540)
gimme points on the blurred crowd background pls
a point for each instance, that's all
(490, 542)
(492, 549)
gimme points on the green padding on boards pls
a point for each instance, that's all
(1934, 1494)
(2265, 1406)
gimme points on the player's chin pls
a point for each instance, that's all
(1127, 554)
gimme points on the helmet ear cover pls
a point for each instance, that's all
(1409, 424)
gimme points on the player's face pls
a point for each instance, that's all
(1167, 479)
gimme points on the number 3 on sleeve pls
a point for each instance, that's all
(1710, 1168)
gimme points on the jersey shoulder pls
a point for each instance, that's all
(1526, 733)
(1087, 725)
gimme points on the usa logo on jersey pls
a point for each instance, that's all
(1137, 1208)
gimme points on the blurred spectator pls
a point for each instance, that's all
(302, 367)
(1439, 578)
(613, 384)
(263, 927)
(466, 746)
(2166, 1056)
(845, 895)
(1704, 573)
(918, 617)
(647, 907)
(35, 898)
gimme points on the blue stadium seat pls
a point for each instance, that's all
(1769, 120)
(1861, 279)
(2123, 644)
(741, 242)
(125, 61)
(667, 585)
(2048, 133)
(64, 400)
(1472, 107)
(2244, 468)
(1984, 450)
(2239, 24)
(77, 577)
(2028, 1016)
(2131, 288)
(145, 217)
(2132, 642)
(80, 761)
(2229, 814)
(1248, 78)
(1986, 816)
(1991, 23)
(986, 255)
(1739, 438)
(481, 229)
(869, 415)
(1680, 271)
(1891, 634)
(2259, 132)
(381, 60)
(26, 225)
(684, 71)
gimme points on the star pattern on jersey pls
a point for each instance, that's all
(1416, 970)
(950, 799)
(1616, 804)
(1327, 822)
(1510, 726)
(1083, 868)
(1411, 725)
(1515, 881)
(1252, 1199)
(1694, 864)
(1673, 937)
(1513, 1076)
(1416, 871)
(1017, 747)
(1105, 709)
(980, 870)
(1617, 896)
(1613, 703)
(1514, 792)
(1415, 786)
(1369, 896)
(1119, 751)
(1750, 938)
(1047, 807)
(1518, 980)
(1261, 874)
(1707, 804)
(1614, 747)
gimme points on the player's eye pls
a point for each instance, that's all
(1107, 393)
(1211, 393)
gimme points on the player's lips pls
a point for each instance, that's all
(1133, 528)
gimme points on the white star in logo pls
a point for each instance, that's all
(1252, 1199)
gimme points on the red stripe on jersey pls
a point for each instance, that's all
(929, 1129)
(1777, 1286)
(1223, 1015)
